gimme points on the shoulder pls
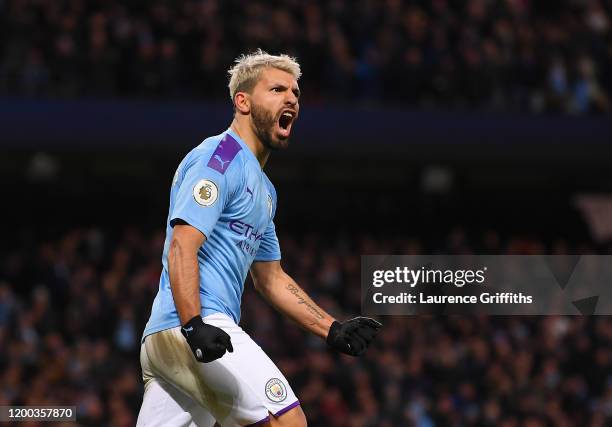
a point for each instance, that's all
(219, 153)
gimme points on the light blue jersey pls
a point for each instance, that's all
(220, 189)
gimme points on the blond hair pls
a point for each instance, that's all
(245, 73)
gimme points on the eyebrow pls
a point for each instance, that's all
(297, 92)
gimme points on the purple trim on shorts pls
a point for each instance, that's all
(278, 414)
(224, 154)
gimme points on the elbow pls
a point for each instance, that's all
(264, 285)
(266, 277)
(260, 286)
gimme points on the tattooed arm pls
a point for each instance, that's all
(282, 292)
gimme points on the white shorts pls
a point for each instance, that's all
(239, 389)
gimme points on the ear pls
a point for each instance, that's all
(242, 101)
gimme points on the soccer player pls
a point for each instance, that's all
(199, 366)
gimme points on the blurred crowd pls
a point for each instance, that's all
(510, 55)
(73, 307)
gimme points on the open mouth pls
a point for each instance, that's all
(285, 121)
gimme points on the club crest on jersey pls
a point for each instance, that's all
(270, 206)
(205, 192)
(276, 390)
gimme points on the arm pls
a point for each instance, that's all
(351, 337)
(207, 342)
(284, 294)
(184, 271)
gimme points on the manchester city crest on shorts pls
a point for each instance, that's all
(276, 390)
(205, 192)
(270, 206)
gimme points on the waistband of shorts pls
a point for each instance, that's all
(219, 318)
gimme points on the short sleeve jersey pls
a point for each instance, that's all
(220, 189)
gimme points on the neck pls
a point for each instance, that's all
(246, 133)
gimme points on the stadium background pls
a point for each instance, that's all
(427, 127)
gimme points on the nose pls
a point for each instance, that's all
(291, 99)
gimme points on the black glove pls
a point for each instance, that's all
(353, 336)
(207, 342)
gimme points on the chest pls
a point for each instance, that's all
(252, 209)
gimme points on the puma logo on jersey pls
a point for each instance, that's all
(220, 160)
(224, 153)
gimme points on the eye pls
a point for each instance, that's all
(277, 89)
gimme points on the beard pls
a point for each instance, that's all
(264, 123)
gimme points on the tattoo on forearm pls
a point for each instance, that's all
(301, 300)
